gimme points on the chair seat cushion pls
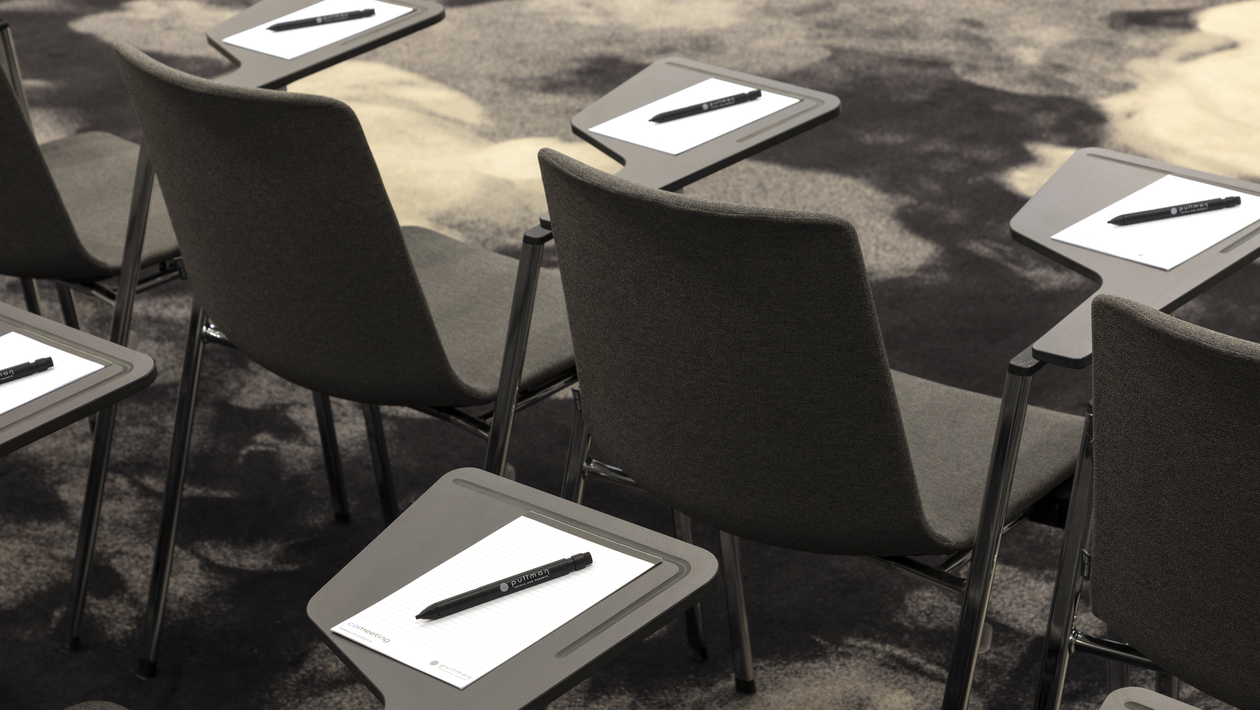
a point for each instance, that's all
(469, 291)
(950, 434)
(95, 173)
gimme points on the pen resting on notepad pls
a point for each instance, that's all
(503, 587)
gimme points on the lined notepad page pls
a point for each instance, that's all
(464, 646)
(16, 349)
(683, 134)
(288, 44)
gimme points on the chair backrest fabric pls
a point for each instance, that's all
(289, 239)
(731, 362)
(37, 238)
(1176, 542)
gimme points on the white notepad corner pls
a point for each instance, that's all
(16, 348)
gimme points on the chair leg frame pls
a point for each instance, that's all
(737, 614)
(180, 444)
(380, 462)
(693, 618)
(103, 435)
(1069, 580)
(971, 627)
(519, 319)
(69, 313)
(574, 481)
(332, 457)
(30, 292)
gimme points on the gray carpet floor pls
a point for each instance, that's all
(953, 115)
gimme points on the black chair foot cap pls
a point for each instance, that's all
(746, 686)
(699, 653)
(147, 668)
(71, 645)
(342, 518)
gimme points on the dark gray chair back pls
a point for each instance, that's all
(289, 238)
(731, 362)
(1176, 546)
(37, 238)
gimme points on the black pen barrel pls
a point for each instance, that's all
(1177, 210)
(506, 586)
(26, 368)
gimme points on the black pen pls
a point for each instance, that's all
(313, 21)
(503, 587)
(17, 372)
(1176, 211)
(706, 106)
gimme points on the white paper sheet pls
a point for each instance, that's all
(294, 43)
(16, 349)
(1163, 243)
(683, 134)
(464, 646)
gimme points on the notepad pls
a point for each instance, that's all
(294, 43)
(464, 646)
(1164, 243)
(16, 349)
(681, 135)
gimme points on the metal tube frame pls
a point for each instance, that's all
(1114, 651)
(380, 462)
(332, 457)
(693, 619)
(971, 626)
(203, 332)
(921, 570)
(519, 319)
(1069, 580)
(574, 481)
(102, 437)
(180, 445)
(737, 614)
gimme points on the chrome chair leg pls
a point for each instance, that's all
(332, 457)
(1117, 675)
(68, 312)
(380, 462)
(571, 486)
(93, 497)
(180, 444)
(1068, 581)
(31, 294)
(519, 317)
(971, 626)
(693, 617)
(737, 614)
(1169, 685)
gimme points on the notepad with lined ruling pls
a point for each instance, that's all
(463, 647)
